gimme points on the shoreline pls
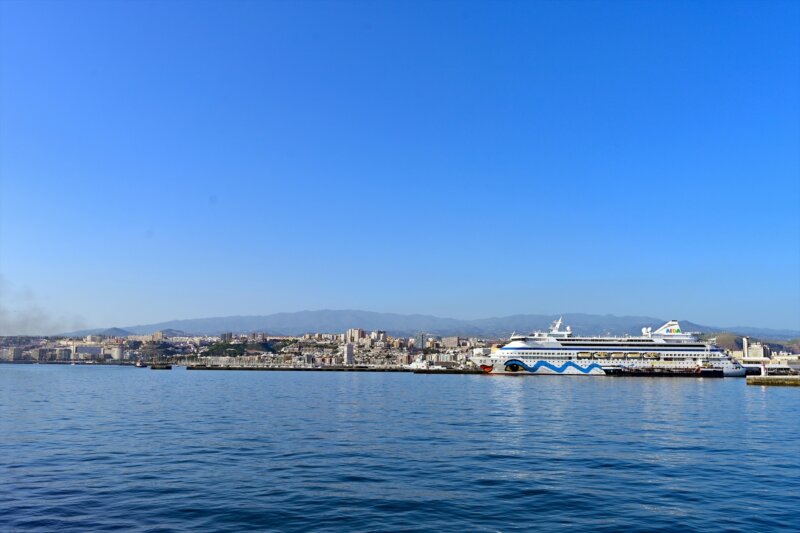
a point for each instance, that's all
(712, 374)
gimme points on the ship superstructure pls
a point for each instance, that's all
(557, 351)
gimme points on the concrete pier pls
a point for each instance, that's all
(300, 368)
(782, 381)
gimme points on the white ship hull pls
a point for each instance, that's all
(668, 350)
(542, 367)
(502, 365)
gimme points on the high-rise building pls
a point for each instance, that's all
(12, 354)
(348, 354)
(378, 335)
(451, 342)
(757, 351)
(420, 341)
(354, 335)
(41, 354)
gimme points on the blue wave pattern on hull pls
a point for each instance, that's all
(556, 369)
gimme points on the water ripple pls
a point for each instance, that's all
(102, 449)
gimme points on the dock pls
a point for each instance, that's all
(446, 371)
(336, 369)
(661, 373)
(779, 381)
(299, 368)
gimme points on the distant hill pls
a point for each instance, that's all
(172, 332)
(733, 341)
(338, 321)
(728, 341)
(107, 332)
(114, 332)
(326, 321)
(119, 332)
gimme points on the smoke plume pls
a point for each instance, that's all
(21, 314)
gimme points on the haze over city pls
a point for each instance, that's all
(170, 160)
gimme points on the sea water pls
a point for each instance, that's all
(92, 448)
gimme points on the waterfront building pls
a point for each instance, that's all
(787, 358)
(12, 354)
(479, 352)
(84, 351)
(41, 354)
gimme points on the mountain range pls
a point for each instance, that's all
(338, 321)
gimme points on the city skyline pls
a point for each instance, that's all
(172, 160)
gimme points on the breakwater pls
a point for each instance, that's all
(301, 368)
(779, 381)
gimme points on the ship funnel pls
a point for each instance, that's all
(670, 328)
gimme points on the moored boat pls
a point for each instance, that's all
(557, 351)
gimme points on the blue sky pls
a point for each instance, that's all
(164, 160)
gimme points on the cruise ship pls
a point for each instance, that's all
(667, 349)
